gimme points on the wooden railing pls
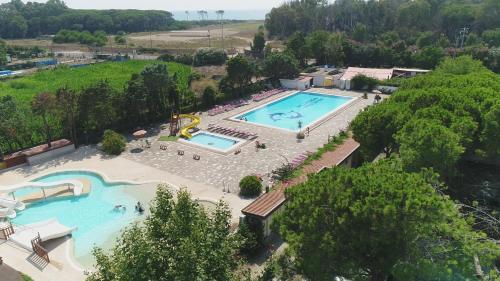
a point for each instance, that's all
(38, 249)
(7, 231)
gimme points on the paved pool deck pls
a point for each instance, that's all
(223, 172)
(209, 178)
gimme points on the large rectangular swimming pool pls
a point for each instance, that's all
(296, 111)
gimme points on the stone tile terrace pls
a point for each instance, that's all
(225, 171)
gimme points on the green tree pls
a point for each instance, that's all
(135, 101)
(428, 57)
(178, 241)
(281, 66)
(3, 53)
(43, 105)
(425, 39)
(375, 127)
(360, 32)
(296, 45)
(156, 83)
(240, 71)
(425, 144)
(491, 37)
(378, 222)
(317, 44)
(67, 107)
(12, 124)
(96, 111)
(490, 136)
(209, 97)
(259, 43)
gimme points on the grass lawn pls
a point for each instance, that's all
(117, 74)
(168, 138)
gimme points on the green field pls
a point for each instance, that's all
(116, 73)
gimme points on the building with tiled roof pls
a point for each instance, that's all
(263, 208)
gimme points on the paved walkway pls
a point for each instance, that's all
(7, 273)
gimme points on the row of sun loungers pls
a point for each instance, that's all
(232, 132)
(266, 94)
(218, 109)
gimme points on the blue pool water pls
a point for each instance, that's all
(94, 215)
(286, 113)
(214, 141)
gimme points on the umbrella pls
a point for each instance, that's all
(140, 134)
(376, 92)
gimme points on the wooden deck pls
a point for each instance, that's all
(59, 192)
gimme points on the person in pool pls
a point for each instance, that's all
(139, 208)
(120, 207)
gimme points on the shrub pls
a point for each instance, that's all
(362, 82)
(207, 56)
(209, 97)
(250, 186)
(301, 135)
(250, 245)
(113, 143)
(184, 59)
(166, 57)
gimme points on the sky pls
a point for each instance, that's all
(171, 5)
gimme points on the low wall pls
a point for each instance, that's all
(49, 155)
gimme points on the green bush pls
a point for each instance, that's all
(184, 59)
(209, 97)
(166, 58)
(207, 56)
(98, 38)
(362, 82)
(251, 230)
(250, 186)
(113, 143)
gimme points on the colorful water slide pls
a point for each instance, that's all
(195, 122)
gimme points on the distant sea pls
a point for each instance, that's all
(228, 15)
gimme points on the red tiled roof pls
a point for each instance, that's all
(269, 202)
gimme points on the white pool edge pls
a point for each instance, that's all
(239, 143)
(312, 125)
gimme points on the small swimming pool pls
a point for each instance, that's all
(94, 215)
(213, 141)
(301, 109)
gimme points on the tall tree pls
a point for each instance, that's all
(96, 111)
(281, 66)
(240, 71)
(67, 103)
(156, 81)
(259, 43)
(379, 223)
(44, 105)
(178, 241)
(296, 45)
